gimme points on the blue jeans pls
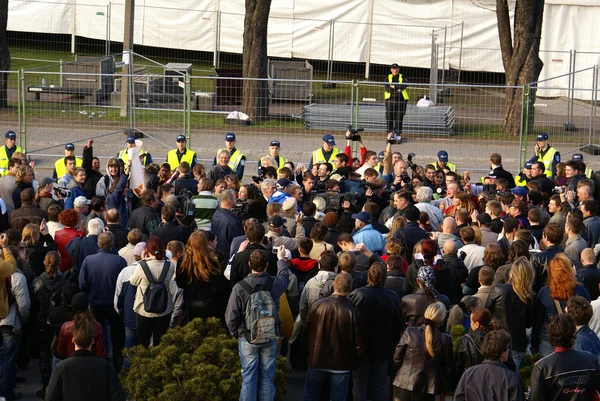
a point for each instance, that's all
(130, 341)
(371, 374)
(315, 378)
(517, 358)
(545, 348)
(10, 351)
(258, 370)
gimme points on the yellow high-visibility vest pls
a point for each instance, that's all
(61, 169)
(174, 161)
(124, 155)
(318, 155)
(387, 94)
(280, 162)
(234, 158)
(451, 167)
(547, 159)
(4, 159)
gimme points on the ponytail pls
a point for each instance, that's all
(434, 317)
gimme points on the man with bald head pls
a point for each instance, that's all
(453, 262)
(113, 219)
(452, 189)
(447, 234)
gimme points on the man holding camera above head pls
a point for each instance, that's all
(396, 99)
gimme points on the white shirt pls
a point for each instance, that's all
(595, 322)
(474, 255)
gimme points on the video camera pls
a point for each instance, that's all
(354, 133)
(62, 192)
(409, 160)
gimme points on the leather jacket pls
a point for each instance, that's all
(468, 353)
(382, 318)
(511, 314)
(414, 305)
(565, 375)
(540, 262)
(334, 334)
(418, 371)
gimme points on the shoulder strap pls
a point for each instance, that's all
(147, 272)
(558, 307)
(246, 286)
(165, 270)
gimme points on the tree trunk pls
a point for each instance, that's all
(520, 55)
(255, 93)
(4, 55)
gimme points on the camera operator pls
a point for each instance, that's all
(353, 136)
(376, 193)
(399, 178)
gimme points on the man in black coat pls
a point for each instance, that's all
(538, 174)
(145, 218)
(185, 180)
(499, 172)
(239, 265)
(225, 224)
(552, 237)
(412, 231)
(84, 376)
(112, 223)
(589, 274)
(169, 230)
(382, 316)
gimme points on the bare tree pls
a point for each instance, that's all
(520, 53)
(254, 59)
(4, 55)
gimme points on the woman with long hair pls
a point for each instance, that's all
(511, 305)
(152, 324)
(552, 299)
(424, 359)
(205, 289)
(38, 242)
(461, 201)
(517, 249)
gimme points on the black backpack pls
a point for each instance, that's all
(156, 297)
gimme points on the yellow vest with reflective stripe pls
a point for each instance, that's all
(451, 167)
(234, 158)
(280, 162)
(520, 182)
(588, 172)
(61, 169)
(174, 161)
(387, 94)
(4, 159)
(319, 157)
(547, 160)
(124, 155)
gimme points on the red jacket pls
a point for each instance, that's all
(65, 346)
(62, 238)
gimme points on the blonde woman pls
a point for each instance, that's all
(511, 305)
(424, 358)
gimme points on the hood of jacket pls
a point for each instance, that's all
(322, 276)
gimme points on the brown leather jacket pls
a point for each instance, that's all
(414, 305)
(418, 371)
(334, 334)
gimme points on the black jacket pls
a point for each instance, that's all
(145, 219)
(444, 280)
(395, 281)
(540, 261)
(37, 253)
(120, 235)
(172, 231)
(418, 371)
(84, 376)
(186, 182)
(414, 234)
(565, 375)
(257, 209)
(239, 264)
(414, 305)
(511, 314)
(380, 312)
(546, 183)
(590, 278)
(226, 227)
(457, 266)
(491, 380)
(499, 172)
(468, 352)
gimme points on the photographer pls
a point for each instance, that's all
(399, 178)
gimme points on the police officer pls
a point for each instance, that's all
(522, 179)
(274, 148)
(59, 165)
(546, 154)
(326, 153)
(237, 160)
(578, 157)
(8, 150)
(442, 162)
(181, 154)
(396, 99)
(145, 157)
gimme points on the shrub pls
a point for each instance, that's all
(456, 333)
(195, 362)
(526, 368)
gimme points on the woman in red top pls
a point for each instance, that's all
(70, 220)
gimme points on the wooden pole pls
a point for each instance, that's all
(127, 55)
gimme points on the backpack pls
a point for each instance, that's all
(260, 313)
(156, 297)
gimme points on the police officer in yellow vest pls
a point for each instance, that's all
(396, 99)
(546, 154)
(7, 151)
(578, 157)
(326, 153)
(274, 147)
(59, 165)
(145, 157)
(442, 162)
(237, 160)
(181, 154)
(522, 179)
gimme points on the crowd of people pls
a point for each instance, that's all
(354, 268)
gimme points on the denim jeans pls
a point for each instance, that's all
(517, 358)
(371, 374)
(10, 351)
(545, 348)
(315, 378)
(258, 370)
(130, 341)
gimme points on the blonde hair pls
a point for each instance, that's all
(30, 232)
(398, 222)
(521, 277)
(320, 203)
(434, 317)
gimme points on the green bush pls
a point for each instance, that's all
(526, 367)
(456, 333)
(195, 362)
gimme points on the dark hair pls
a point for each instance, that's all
(580, 309)
(148, 197)
(483, 317)
(467, 234)
(574, 224)
(155, 247)
(69, 159)
(305, 245)
(328, 261)
(345, 237)
(373, 209)
(53, 212)
(97, 203)
(516, 249)
(486, 275)
(376, 275)
(27, 195)
(494, 344)
(318, 232)
(167, 213)
(83, 330)
(258, 261)
(561, 330)
(309, 209)
(255, 233)
(67, 294)
(343, 158)
(554, 233)
(394, 262)
(590, 206)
